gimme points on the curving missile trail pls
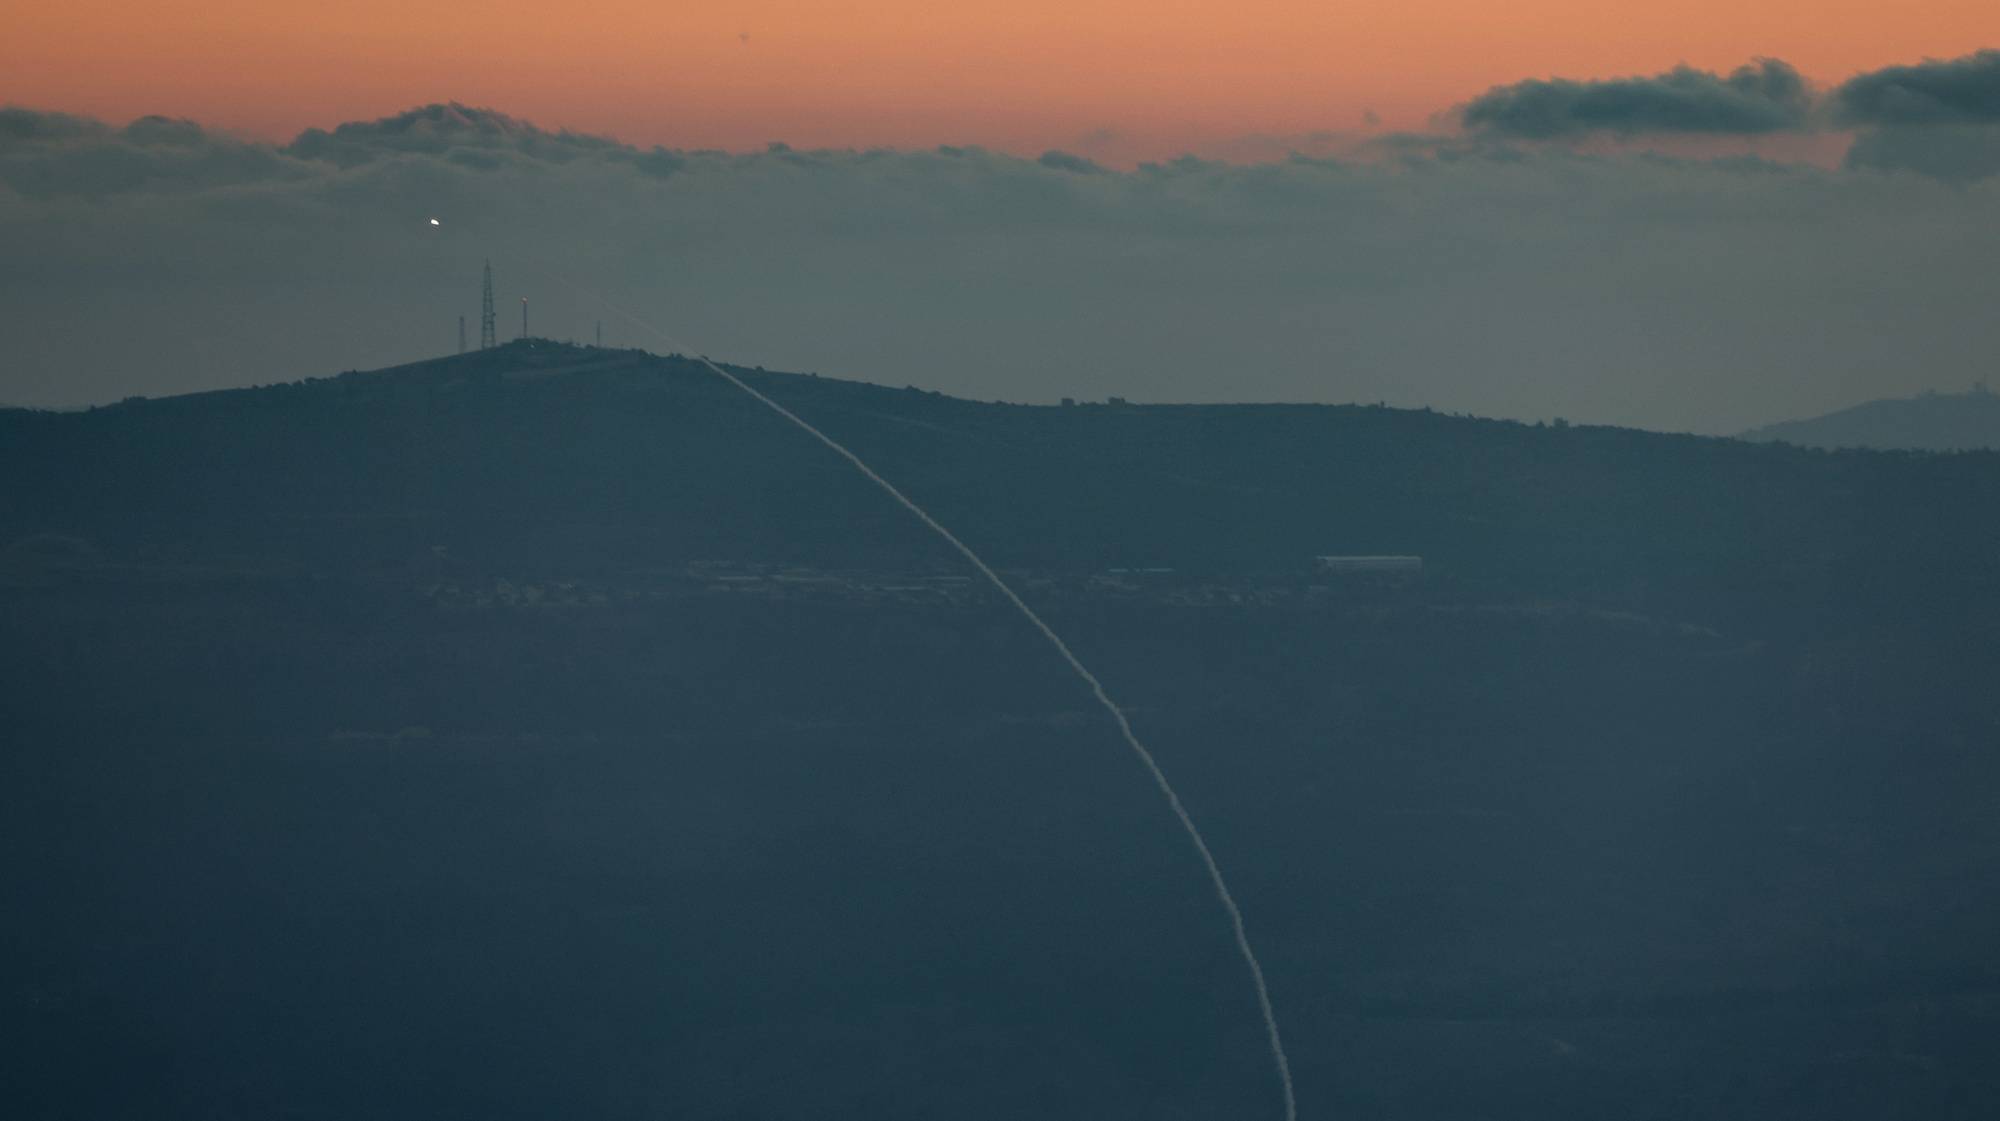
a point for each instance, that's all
(1222, 893)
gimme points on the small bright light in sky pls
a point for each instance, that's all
(435, 222)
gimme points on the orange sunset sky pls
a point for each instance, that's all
(1164, 75)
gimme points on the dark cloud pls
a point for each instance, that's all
(54, 154)
(21, 127)
(1951, 92)
(1064, 161)
(50, 154)
(475, 137)
(1939, 118)
(1765, 96)
(173, 131)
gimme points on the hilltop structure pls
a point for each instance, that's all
(486, 325)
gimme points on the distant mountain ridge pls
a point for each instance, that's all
(1928, 422)
(543, 457)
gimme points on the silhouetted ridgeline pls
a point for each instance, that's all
(552, 732)
(563, 459)
(1929, 422)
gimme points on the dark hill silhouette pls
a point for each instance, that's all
(1929, 422)
(552, 732)
(570, 458)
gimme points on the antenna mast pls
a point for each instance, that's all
(486, 331)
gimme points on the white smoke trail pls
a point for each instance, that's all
(1284, 1066)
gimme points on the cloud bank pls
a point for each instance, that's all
(1939, 118)
(1466, 272)
(1954, 92)
(1936, 118)
(1764, 96)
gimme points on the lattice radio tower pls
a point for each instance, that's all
(486, 331)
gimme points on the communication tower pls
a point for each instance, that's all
(486, 329)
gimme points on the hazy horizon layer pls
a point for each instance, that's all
(1660, 252)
